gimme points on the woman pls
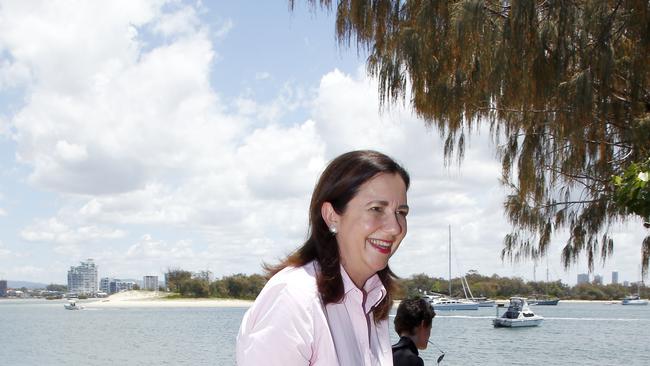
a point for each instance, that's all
(328, 302)
(413, 324)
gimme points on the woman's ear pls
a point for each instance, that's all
(330, 216)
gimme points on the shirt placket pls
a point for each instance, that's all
(361, 326)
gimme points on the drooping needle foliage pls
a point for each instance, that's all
(563, 85)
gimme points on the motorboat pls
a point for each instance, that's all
(634, 300)
(517, 315)
(72, 305)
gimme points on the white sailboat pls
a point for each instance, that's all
(635, 299)
(441, 302)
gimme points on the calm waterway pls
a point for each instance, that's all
(35, 332)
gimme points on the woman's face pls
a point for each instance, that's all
(371, 227)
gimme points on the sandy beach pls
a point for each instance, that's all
(157, 299)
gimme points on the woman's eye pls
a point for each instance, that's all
(376, 209)
(402, 213)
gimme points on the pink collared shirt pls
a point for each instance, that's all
(287, 325)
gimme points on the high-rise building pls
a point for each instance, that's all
(3, 288)
(583, 278)
(118, 285)
(82, 279)
(598, 280)
(615, 278)
(104, 285)
(150, 283)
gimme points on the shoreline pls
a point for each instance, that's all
(131, 299)
(158, 300)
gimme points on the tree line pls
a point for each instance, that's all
(498, 287)
(241, 286)
(237, 286)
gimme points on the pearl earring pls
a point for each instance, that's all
(333, 230)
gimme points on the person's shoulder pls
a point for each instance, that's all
(295, 282)
(303, 276)
(403, 343)
(404, 357)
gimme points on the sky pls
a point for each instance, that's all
(151, 135)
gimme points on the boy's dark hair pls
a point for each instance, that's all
(411, 313)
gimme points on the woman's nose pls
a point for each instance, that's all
(394, 223)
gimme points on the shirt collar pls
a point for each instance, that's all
(375, 290)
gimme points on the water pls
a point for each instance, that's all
(35, 332)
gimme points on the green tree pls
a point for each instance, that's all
(55, 287)
(564, 86)
(417, 284)
(241, 286)
(175, 277)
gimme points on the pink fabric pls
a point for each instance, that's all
(287, 325)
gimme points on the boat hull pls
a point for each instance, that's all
(634, 302)
(516, 323)
(487, 304)
(545, 302)
(445, 307)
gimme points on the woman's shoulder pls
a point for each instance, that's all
(296, 282)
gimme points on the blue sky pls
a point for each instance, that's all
(150, 135)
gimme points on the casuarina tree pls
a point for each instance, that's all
(562, 85)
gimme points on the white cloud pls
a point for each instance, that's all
(55, 231)
(149, 249)
(280, 161)
(183, 21)
(224, 29)
(151, 167)
(140, 115)
(13, 74)
(70, 152)
(262, 75)
(48, 42)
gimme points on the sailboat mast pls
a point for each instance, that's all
(449, 260)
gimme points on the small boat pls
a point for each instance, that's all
(517, 315)
(634, 300)
(446, 303)
(502, 303)
(543, 301)
(72, 305)
(484, 302)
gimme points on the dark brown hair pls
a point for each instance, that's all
(338, 184)
(411, 313)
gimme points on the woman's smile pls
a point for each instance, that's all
(382, 246)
